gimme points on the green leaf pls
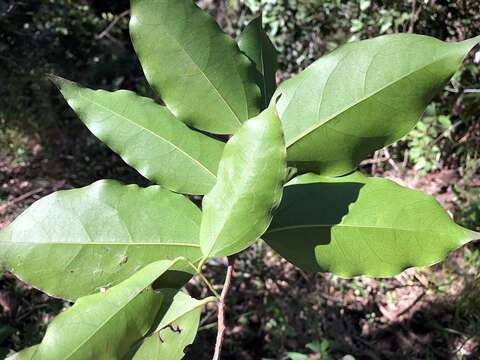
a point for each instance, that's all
(108, 324)
(296, 356)
(198, 70)
(148, 137)
(256, 44)
(73, 242)
(354, 225)
(177, 329)
(26, 354)
(362, 97)
(249, 187)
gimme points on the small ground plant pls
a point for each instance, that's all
(287, 174)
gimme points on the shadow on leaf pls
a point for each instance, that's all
(305, 218)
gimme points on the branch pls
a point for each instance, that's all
(106, 32)
(25, 196)
(221, 310)
(409, 307)
(414, 15)
(391, 161)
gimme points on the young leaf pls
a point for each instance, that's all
(73, 242)
(249, 187)
(354, 225)
(198, 71)
(177, 329)
(361, 97)
(107, 325)
(256, 44)
(148, 137)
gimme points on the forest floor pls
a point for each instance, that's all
(275, 311)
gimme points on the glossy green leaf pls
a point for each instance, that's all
(73, 242)
(249, 187)
(107, 324)
(256, 44)
(198, 71)
(354, 225)
(26, 354)
(361, 97)
(148, 137)
(177, 329)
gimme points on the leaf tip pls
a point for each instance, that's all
(469, 44)
(58, 81)
(472, 236)
(258, 20)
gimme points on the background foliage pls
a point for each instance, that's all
(420, 314)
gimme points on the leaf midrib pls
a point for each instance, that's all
(228, 106)
(99, 328)
(361, 100)
(210, 173)
(295, 227)
(236, 195)
(114, 314)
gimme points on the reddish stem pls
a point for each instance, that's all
(221, 310)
